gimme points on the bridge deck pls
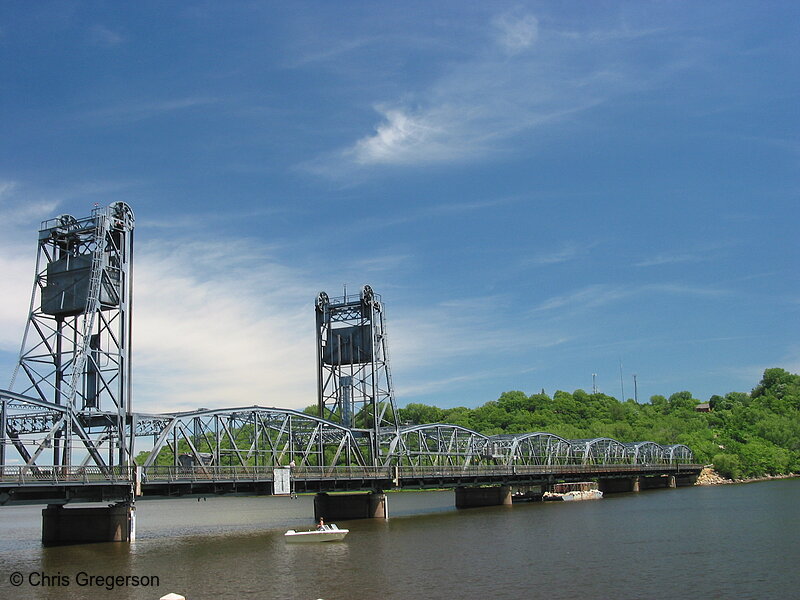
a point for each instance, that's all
(59, 484)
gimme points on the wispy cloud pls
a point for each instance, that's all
(408, 137)
(141, 110)
(17, 258)
(433, 385)
(17, 210)
(454, 329)
(376, 264)
(567, 251)
(100, 35)
(671, 259)
(516, 32)
(214, 329)
(594, 296)
(527, 77)
(332, 50)
(589, 297)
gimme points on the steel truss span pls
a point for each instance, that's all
(250, 436)
(69, 405)
(257, 436)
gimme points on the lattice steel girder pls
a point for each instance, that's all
(642, 453)
(75, 352)
(538, 448)
(354, 383)
(254, 435)
(599, 451)
(678, 453)
(437, 444)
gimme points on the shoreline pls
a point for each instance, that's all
(708, 476)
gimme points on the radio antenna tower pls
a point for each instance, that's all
(75, 360)
(354, 383)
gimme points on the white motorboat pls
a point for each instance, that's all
(326, 533)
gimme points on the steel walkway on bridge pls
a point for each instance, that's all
(62, 484)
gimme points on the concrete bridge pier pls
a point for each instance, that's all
(471, 497)
(64, 526)
(369, 505)
(619, 484)
(659, 481)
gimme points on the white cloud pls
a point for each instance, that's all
(669, 259)
(218, 326)
(17, 257)
(216, 323)
(101, 35)
(225, 323)
(566, 252)
(16, 265)
(476, 107)
(407, 138)
(516, 32)
(589, 297)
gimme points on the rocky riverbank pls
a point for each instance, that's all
(708, 476)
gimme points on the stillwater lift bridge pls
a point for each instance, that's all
(68, 431)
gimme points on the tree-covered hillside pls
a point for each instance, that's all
(744, 435)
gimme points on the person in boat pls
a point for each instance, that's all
(321, 525)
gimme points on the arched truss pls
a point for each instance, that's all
(678, 453)
(530, 449)
(432, 445)
(645, 453)
(250, 436)
(598, 451)
(259, 436)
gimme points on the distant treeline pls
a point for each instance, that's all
(743, 435)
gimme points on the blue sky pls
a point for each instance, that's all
(539, 191)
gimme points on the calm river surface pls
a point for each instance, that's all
(739, 541)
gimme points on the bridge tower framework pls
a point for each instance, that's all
(353, 375)
(75, 359)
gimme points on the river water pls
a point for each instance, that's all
(737, 541)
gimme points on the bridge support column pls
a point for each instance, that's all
(621, 484)
(671, 481)
(470, 497)
(331, 507)
(64, 526)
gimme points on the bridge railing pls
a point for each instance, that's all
(522, 470)
(25, 475)
(63, 475)
(169, 474)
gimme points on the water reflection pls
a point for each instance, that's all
(736, 541)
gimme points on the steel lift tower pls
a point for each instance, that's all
(354, 380)
(73, 379)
